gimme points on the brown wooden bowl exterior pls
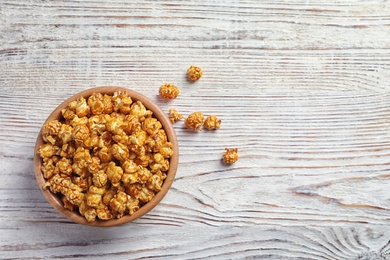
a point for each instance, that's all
(55, 201)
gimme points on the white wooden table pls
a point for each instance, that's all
(303, 91)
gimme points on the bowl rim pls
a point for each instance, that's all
(174, 160)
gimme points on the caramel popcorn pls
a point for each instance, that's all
(230, 156)
(107, 157)
(48, 168)
(95, 102)
(194, 73)
(212, 122)
(94, 196)
(50, 131)
(71, 191)
(122, 102)
(114, 174)
(48, 150)
(169, 91)
(139, 110)
(64, 166)
(99, 179)
(174, 115)
(194, 121)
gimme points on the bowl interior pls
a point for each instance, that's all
(55, 201)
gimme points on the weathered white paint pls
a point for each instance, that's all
(302, 88)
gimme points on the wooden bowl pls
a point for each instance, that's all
(56, 202)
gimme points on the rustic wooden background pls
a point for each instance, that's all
(302, 88)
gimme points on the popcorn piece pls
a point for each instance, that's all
(90, 215)
(132, 205)
(95, 102)
(166, 151)
(194, 121)
(81, 160)
(130, 175)
(120, 152)
(230, 156)
(174, 115)
(139, 110)
(103, 212)
(155, 183)
(97, 124)
(146, 195)
(64, 166)
(88, 212)
(94, 165)
(105, 154)
(131, 124)
(194, 73)
(65, 133)
(48, 150)
(109, 195)
(71, 191)
(99, 179)
(134, 190)
(114, 125)
(169, 91)
(151, 125)
(122, 102)
(91, 141)
(105, 140)
(114, 174)
(118, 204)
(159, 163)
(82, 182)
(80, 134)
(68, 150)
(137, 139)
(82, 108)
(68, 114)
(48, 169)
(50, 130)
(94, 196)
(212, 122)
(78, 121)
(143, 175)
(107, 104)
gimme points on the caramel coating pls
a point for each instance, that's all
(212, 122)
(194, 73)
(107, 157)
(194, 121)
(169, 91)
(174, 115)
(230, 156)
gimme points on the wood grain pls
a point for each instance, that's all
(302, 88)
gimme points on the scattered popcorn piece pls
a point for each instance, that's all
(230, 156)
(194, 73)
(174, 115)
(194, 121)
(212, 122)
(169, 91)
